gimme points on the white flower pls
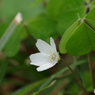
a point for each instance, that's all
(47, 57)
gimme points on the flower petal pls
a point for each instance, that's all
(45, 66)
(53, 44)
(44, 47)
(39, 59)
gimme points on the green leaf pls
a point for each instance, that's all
(82, 40)
(7, 34)
(3, 27)
(56, 8)
(87, 81)
(79, 39)
(68, 18)
(92, 4)
(24, 34)
(66, 36)
(37, 2)
(23, 6)
(91, 14)
(90, 19)
(42, 27)
(28, 88)
(12, 46)
(3, 69)
(90, 23)
(73, 88)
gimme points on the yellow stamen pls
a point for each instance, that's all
(53, 57)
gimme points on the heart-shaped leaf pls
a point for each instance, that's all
(82, 41)
(66, 36)
(79, 39)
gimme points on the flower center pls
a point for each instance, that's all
(53, 57)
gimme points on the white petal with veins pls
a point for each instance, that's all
(39, 59)
(45, 66)
(43, 47)
(53, 44)
(47, 57)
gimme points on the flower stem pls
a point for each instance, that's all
(91, 70)
(77, 79)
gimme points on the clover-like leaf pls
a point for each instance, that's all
(80, 39)
(66, 36)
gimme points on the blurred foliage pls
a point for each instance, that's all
(71, 20)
